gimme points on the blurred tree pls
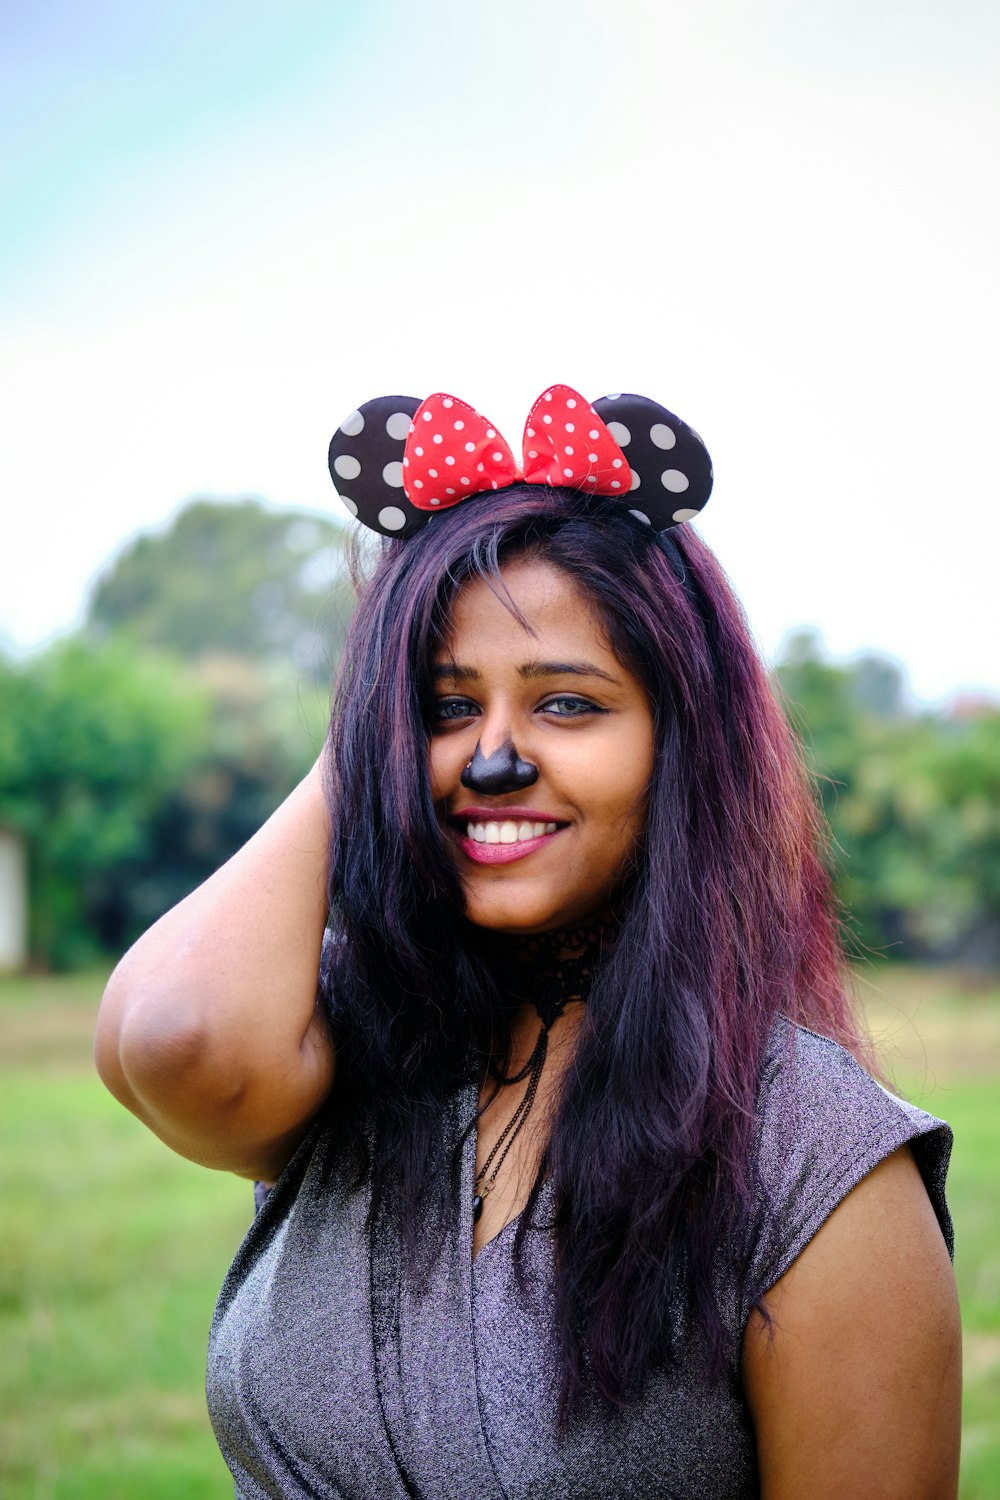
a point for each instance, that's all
(138, 758)
(824, 710)
(877, 686)
(91, 741)
(232, 577)
(913, 801)
(261, 740)
(925, 822)
(133, 777)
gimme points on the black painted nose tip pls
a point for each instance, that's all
(503, 771)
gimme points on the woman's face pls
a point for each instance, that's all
(550, 853)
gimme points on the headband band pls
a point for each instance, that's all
(397, 461)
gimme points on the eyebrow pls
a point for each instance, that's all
(454, 671)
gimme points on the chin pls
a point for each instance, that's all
(526, 918)
(517, 928)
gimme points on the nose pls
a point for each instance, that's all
(501, 771)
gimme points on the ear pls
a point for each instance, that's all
(671, 469)
(366, 465)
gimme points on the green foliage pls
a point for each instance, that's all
(942, 1039)
(232, 578)
(91, 741)
(112, 1254)
(132, 778)
(262, 738)
(138, 757)
(913, 800)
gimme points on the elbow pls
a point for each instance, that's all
(151, 1046)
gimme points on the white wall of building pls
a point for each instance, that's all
(13, 902)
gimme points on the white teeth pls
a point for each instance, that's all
(507, 832)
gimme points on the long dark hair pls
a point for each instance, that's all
(728, 924)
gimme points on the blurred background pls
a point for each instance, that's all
(226, 226)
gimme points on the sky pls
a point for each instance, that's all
(228, 224)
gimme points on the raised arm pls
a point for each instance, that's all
(209, 1029)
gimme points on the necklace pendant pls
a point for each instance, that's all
(477, 1208)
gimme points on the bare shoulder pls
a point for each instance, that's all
(855, 1388)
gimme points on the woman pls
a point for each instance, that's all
(580, 1191)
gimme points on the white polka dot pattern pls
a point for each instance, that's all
(459, 451)
(392, 518)
(557, 456)
(674, 481)
(397, 461)
(653, 432)
(552, 453)
(366, 465)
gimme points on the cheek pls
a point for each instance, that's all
(435, 769)
(445, 761)
(634, 798)
(629, 824)
(616, 819)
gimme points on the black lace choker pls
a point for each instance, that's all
(548, 971)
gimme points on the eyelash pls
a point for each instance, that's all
(581, 706)
(467, 709)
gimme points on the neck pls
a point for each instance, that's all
(548, 970)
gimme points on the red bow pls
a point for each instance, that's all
(452, 451)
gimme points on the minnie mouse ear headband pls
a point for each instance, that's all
(396, 461)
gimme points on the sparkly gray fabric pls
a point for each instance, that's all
(329, 1376)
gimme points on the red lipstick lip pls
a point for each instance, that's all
(501, 854)
(503, 815)
(504, 854)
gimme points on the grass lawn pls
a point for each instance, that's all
(112, 1252)
(941, 1042)
(113, 1249)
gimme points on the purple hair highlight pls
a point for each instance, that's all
(728, 924)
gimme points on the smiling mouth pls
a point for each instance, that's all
(507, 831)
(495, 841)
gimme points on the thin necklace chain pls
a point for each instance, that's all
(552, 969)
(532, 1070)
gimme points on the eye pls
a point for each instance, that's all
(451, 710)
(571, 706)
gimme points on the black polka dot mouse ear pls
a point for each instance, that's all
(366, 465)
(671, 469)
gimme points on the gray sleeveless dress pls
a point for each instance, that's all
(329, 1376)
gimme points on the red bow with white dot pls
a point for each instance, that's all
(398, 461)
(453, 452)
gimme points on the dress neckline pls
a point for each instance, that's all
(470, 1103)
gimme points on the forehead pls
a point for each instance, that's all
(532, 602)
